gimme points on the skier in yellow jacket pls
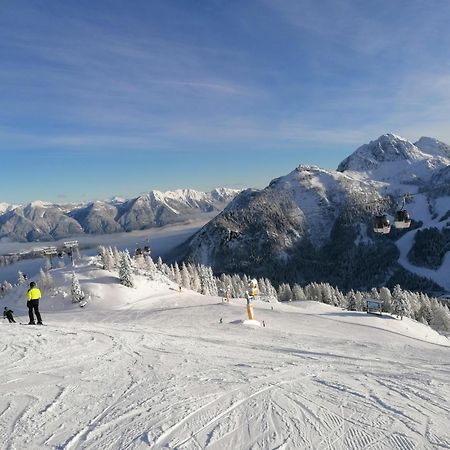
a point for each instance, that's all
(34, 295)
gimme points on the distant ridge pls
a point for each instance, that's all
(44, 221)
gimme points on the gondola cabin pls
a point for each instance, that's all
(381, 224)
(402, 219)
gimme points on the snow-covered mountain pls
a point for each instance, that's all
(5, 207)
(393, 159)
(315, 224)
(41, 221)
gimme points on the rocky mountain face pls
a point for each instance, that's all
(40, 221)
(316, 225)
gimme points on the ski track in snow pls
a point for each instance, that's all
(116, 382)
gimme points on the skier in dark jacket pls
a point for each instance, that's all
(34, 295)
(8, 314)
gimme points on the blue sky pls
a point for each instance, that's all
(102, 98)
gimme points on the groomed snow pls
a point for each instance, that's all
(150, 367)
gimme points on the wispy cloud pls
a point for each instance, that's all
(271, 74)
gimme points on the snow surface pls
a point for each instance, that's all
(150, 367)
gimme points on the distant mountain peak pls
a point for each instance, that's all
(433, 147)
(395, 158)
(387, 148)
(39, 204)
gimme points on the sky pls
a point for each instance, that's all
(104, 98)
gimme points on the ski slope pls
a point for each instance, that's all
(150, 367)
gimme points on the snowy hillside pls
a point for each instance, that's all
(42, 221)
(149, 367)
(316, 225)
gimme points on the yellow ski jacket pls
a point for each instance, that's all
(34, 294)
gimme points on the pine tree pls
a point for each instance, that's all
(400, 303)
(21, 280)
(116, 257)
(196, 283)
(351, 301)
(374, 294)
(106, 257)
(177, 275)
(211, 282)
(185, 277)
(7, 287)
(76, 291)
(284, 293)
(298, 293)
(327, 294)
(425, 311)
(359, 300)
(262, 287)
(150, 266)
(271, 291)
(441, 316)
(386, 297)
(125, 273)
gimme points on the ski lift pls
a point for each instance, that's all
(402, 218)
(381, 224)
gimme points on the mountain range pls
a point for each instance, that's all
(42, 221)
(316, 225)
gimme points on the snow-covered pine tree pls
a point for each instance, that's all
(116, 257)
(351, 301)
(150, 266)
(425, 312)
(6, 287)
(262, 287)
(340, 298)
(327, 294)
(359, 299)
(76, 291)
(400, 303)
(237, 287)
(386, 297)
(374, 293)
(271, 291)
(284, 293)
(108, 259)
(441, 316)
(21, 280)
(177, 274)
(196, 283)
(297, 293)
(185, 277)
(212, 285)
(125, 270)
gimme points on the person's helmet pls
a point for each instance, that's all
(32, 284)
